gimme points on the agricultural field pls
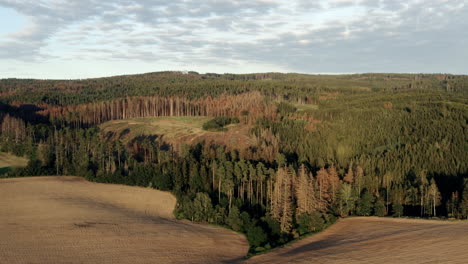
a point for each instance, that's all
(179, 130)
(378, 240)
(70, 220)
(8, 161)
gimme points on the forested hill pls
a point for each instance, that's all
(282, 155)
(192, 85)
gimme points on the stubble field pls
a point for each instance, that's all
(70, 220)
(378, 240)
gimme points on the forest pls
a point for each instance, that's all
(326, 146)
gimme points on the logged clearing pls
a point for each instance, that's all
(170, 127)
(8, 161)
(183, 129)
(378, 240)
(70, 220)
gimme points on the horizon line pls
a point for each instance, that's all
(228, 73)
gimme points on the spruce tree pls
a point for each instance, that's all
(364, 207)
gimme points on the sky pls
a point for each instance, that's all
(70, 39)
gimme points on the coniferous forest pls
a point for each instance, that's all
(324, 146)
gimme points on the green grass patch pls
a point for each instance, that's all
(9, 162)
(306, 107)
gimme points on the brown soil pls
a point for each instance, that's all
(378, 240)
(70, 220)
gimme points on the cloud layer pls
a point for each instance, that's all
(254, 35)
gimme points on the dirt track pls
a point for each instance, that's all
(377, 240)
(70, 220)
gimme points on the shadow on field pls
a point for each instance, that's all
(118, 210)
(347, 244)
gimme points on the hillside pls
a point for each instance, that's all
(378, 240)
(178, 131)
(67, 219)
(306, 151)
(329, 132)
(194, 85)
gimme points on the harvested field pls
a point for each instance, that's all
(70, 220)
(378, 240)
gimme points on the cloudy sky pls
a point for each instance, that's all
(92, 38)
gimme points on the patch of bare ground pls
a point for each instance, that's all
(70, 220)
(378, 240)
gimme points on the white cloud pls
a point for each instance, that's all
(304, 36)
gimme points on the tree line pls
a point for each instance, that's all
(154, 106)
(301, 88)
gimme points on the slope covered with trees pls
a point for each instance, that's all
(325, 146)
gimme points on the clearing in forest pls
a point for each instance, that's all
(70, 220)
(378, 240)
(179, 130)
(8, 161)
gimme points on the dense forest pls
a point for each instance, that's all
(326, 146)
